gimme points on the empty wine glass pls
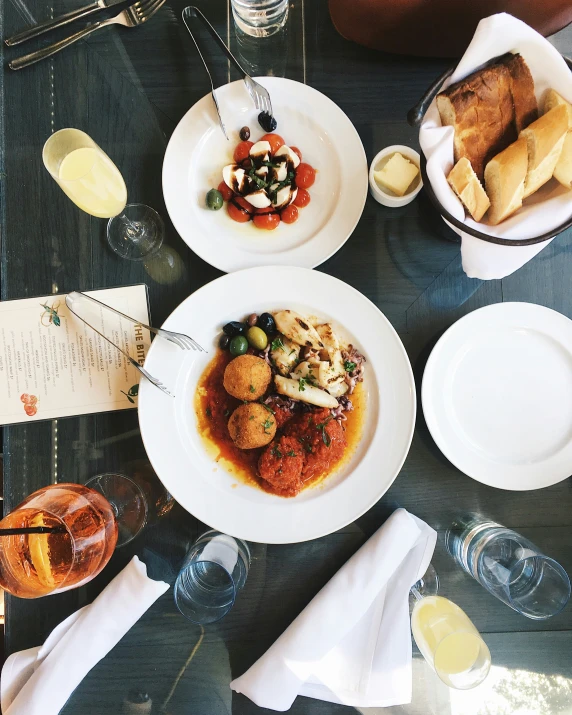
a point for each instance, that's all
(446, 637)
(127, 500)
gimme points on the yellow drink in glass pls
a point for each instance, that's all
(85, 173)
(450, 643)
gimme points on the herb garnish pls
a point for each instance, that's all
(252, 388)
(291, 453)
(349, 366)
(304, 442)
(322, 427)
(227, 413)
(266, 407)
(302, 384)
(277, 344)
(275, 452)
(267, 425)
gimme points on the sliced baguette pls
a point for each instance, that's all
(467, 186)
(563, 170)
(522, 91)
(553, 99)
(505, 175)
(544, 139)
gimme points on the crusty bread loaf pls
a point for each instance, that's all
(553, 99)
(544, 139)
(467, 186)
(481, 111)
(563, 170)
(505, 175)
(522, 91)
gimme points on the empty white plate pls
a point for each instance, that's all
(497, 395)
(307, 119)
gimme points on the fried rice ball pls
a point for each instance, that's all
(251, 426)
(247, 377)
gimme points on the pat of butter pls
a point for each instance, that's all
(397, 175)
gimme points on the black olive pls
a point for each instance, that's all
(223, 342)
(234, 328)
(267, 122)
(244, 134)
(266, 322)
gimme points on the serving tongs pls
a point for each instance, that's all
(257, 92)
(76, 300)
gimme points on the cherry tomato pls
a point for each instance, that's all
(297, 151)
(275, 141)
(25, 398)
(302, 198)
(226, 191)
(241, 151)
(289, 214)
(30, 410)
(267, 218)
(305, 176)
(239, 209)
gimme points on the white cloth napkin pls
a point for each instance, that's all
(494, 36)
(352, 643)
(39, 681)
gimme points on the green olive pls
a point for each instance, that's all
(214, 200)
(238, 345)
(257, 338)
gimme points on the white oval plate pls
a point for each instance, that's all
(206, 490)
(497, 395)
(307, 119)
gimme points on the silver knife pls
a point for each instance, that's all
(60, 21)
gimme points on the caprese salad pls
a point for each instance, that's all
(267, 183)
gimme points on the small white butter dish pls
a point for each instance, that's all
(384, 196)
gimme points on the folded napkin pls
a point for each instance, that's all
(494, 36)
(39, 681)
(352, 643)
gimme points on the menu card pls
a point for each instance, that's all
(54, 365)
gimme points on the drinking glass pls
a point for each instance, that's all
(509, 566)
(214, 571)
(260, 18)
(91, 180)
(446, 637)
(33, 565)
(127, 500)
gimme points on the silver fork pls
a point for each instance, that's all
(132, 16)
(179, 339)
(258, 93)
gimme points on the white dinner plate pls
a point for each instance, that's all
(198, 151)
(497, 395)
(213, 495)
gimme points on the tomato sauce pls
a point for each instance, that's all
(324, 442)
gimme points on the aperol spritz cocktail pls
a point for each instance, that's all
(33, 565)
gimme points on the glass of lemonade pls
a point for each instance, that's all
(449, 641)
(91, 180)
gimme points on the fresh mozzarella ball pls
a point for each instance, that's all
(263, 171)
(258, 199)
(286, 151)
(283, 197)
(281, 172)
(259, 149)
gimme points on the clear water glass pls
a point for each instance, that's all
(214, 571)
(260, 18)
(509, 566)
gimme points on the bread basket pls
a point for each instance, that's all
(415, 117)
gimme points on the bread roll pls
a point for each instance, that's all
(522, 91)
(544, 139)
(467, 186)
(480, 109)
(553, 99)
(563, 170)
(504, 181)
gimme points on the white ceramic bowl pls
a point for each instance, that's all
(384, 197)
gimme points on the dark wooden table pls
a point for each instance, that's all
(128, 90)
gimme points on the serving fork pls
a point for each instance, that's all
(179, 339)
(133, 16)
(257, 92)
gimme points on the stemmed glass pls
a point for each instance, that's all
(127, 500)
(446, 637)
(91, 180)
